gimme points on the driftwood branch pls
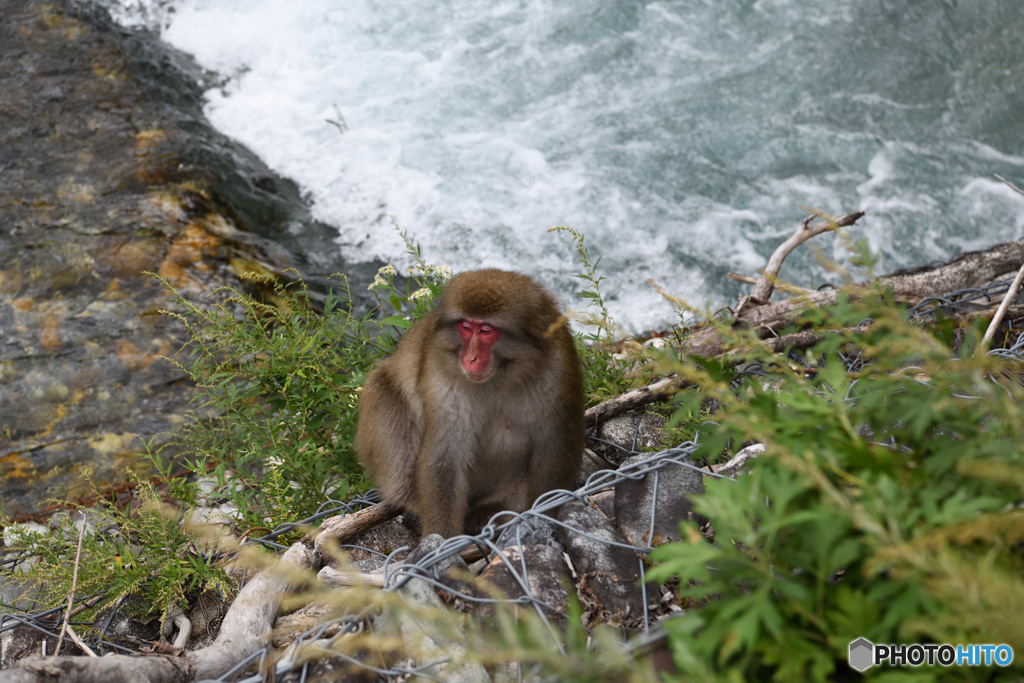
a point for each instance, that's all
(343, 528)
(658, 391)
(1005, 304)
(738, 462)
(247, 624)
(330, 576)
(245, 630)
(765, 285)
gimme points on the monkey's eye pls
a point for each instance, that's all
(487, 331)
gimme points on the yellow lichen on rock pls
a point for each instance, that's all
(13, 466)
(189, 248)
(56, 21)
(128, 353)
(50, 336)
(110, 443)
(148, 139)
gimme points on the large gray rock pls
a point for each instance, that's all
(540, 568)
(107, 169)
(608, 569)
(20, 642)
(670, 490)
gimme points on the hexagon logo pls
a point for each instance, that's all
(862, 654)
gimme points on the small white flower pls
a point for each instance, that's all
(443, 274)
(383, 277)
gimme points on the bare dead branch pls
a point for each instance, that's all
(333, 577)
(71, 597)
(80, 643)
(1009, 184)
(738, 462)
(1003, 305)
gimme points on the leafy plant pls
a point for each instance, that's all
(885, 507)
(420, 292)
(278, 385)
(279, 382)
(602, 321)
(604, 373)
(143, 550)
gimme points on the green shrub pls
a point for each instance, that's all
(278, 385)
(886, 506)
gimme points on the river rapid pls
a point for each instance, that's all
(682, 137)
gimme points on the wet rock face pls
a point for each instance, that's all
(103, 176)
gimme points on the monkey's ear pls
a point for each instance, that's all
(559, 322)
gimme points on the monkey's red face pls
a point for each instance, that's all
(477, 339)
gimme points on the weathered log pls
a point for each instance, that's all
(974, 269)
(635, 398)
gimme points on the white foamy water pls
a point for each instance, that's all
(680, 137)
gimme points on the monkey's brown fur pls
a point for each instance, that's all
(454, 451)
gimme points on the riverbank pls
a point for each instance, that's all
(109, 170)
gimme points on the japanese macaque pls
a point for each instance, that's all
(479, 410)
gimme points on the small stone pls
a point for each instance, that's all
(531, 531)
(626, 434)
(449, 569)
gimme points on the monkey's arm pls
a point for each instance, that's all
(559, 438)
(442, 479)
(388, 436)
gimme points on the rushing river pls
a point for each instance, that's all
(682, 137)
